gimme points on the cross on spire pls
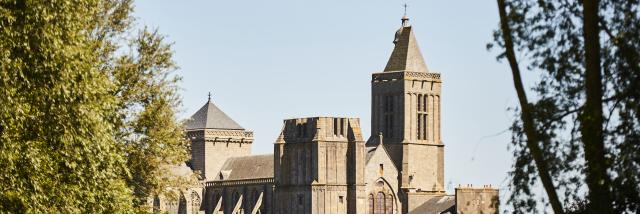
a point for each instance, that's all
(405, 8)
(405, 18)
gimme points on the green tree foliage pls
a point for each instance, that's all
(87, 108)
(586, 118)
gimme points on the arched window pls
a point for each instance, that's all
(371, 204)
(379, 203)
(389, 204)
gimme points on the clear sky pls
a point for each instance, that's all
(265, 61)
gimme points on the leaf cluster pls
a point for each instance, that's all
(549, 35)
(88, 108)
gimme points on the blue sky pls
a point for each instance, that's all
(265, 61)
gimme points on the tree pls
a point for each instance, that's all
(88, 108)
(583, 130)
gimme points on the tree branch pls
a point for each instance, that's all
(533, 138)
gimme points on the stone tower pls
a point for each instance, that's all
(319, 166)
(214, 138)
(406, 109)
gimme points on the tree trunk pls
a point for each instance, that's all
(533, 139)
(591, 118)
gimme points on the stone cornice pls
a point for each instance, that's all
(221, 135)
(405, 75)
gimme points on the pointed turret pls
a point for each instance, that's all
(211, 117)
(406, 55)
(215, 137)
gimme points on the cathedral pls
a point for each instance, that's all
(323, 165)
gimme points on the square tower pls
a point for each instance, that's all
(319, 166)
(405, 107)
(215, 137)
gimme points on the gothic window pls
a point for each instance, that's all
(301, 166)
(379, 203)
(293, 178)
(304, 130)
(335, 126)
(389, 201)
(421, 117)
(371, 204)
(388, 116)
(341, 126)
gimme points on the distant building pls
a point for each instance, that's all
(323, 164)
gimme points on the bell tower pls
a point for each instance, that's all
(215, 137)
(405, 108)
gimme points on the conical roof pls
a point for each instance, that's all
(211, 117)
(406, 55)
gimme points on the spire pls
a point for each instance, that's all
(406, 55)
(211, 117)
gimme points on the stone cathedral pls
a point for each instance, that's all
(323, 165)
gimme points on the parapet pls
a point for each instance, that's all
(311, 129)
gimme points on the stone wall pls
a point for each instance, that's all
(470, 200)
(319, 166)
(210, 148)
(227, 192)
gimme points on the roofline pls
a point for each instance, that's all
(198, 129)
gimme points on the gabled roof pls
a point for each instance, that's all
(248, 167)
(372, 150)
(211, 117)
(406, 55)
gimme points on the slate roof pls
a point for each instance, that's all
(406, 55)
(211, 117)
(248, 167)
(437, 205)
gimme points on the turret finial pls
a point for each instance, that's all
(405, 18)
(405, 9)
(209, 99)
